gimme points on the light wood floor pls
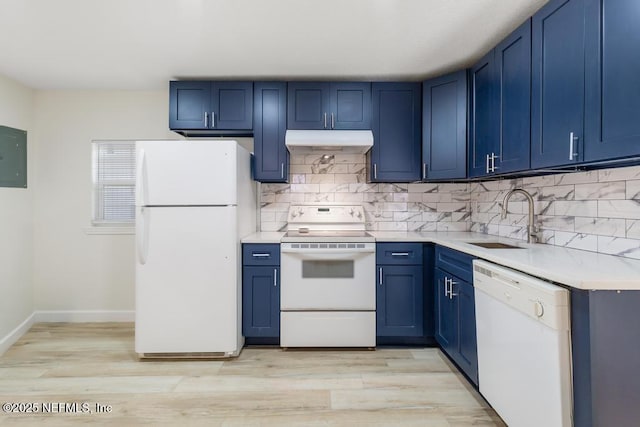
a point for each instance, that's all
(95, 363)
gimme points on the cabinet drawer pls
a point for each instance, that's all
(261, 254)
(457, 263)
(399, 253)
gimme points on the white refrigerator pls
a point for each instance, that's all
(194, 201)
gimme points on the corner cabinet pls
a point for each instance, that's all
(483, 121)
(399, 291)
(396, 126)
(271, 158)
(261, 293)
(612, 82)
(500, 119)
(557, 87)
(444, 127)
(209, 108)
(455, 313)
(323, 105)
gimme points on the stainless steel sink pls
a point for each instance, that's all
(495, 245)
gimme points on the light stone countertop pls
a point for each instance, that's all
(572, 267)
(264, 237)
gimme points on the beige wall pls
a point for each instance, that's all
(74, 270)
(16, 216)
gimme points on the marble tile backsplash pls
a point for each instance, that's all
(597, 210)
(341, 179)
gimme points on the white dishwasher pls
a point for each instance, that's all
(524, 346)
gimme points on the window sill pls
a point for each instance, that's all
(109, 230)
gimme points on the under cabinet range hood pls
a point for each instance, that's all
(345, 141)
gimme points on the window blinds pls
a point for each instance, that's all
(114, 178)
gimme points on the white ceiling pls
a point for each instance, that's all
(142, 44)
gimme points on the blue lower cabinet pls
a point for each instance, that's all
(456, 321)
(446, 319)
(467, 355)
(261, 293)
(261, 301)
(399, 298)
(606, 357)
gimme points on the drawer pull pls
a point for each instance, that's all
(261, 255)
(399, 253)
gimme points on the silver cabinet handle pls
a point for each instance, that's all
(399, 253)
(325, 120)
(380, 275)
(572, 140)
(282, 170)
(493, 162)
(275, 277)
(333, 122)
(375, 171)
(446, 286)
(261, 255)
(487, 168)
(206, 119)
(213, 119)
(451, 283)
(424, 171)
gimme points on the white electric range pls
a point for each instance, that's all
(328, 288)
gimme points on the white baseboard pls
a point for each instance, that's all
(15, 335)
(80, 316)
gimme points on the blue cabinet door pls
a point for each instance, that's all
(513, 65)
(467, 355)
(323, 105)
(271, 158)
(612, 79)
(350, 106)
(232, 105)
(396, 125)
(202, 105)
(557, 86)
(307, 105)
(399, 301)
(444, 127)
(189, 102)
(446, 317)
(260, 301)
(483, 119)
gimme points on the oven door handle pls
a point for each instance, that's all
(327, 252)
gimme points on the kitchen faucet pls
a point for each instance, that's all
(531, 229)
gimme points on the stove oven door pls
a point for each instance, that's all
(328, 276)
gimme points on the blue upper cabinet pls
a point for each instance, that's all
(513, 65)
(444, 127)
(211, 106)
(396, 125)
(612, 102)
(232, 105)
(351, 105)
(189, 104)
(270, 124)
(557, 87)
(484, 124)
(307, 105)
(500, 121)
(322, 105)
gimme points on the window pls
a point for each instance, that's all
(114, 181)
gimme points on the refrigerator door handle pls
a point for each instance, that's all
(141, 178)
(142, 234)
